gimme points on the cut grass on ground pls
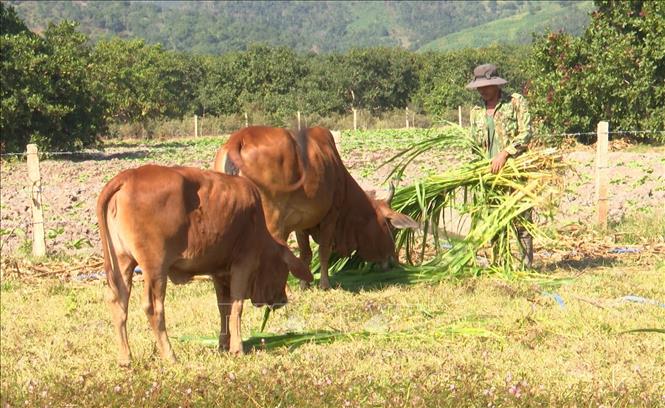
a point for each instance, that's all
(479, 341)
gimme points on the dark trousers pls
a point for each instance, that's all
(524, 237)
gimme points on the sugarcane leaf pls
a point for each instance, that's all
(662, 331)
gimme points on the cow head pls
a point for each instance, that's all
(270, 282)
(377, 243)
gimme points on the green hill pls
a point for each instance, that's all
(316, 26)
(517, 29)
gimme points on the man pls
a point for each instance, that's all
(503, 128)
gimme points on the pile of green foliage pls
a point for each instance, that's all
(494, 203)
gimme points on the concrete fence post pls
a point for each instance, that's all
(38, 242)
(602, 173)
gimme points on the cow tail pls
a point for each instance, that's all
(105, 196)
(233, 147)
(303, 160)
(302, 143)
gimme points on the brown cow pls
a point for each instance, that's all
(180, 222)
(312, 195)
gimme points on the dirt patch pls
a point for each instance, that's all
(70, 186)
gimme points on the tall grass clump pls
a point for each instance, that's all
(495, 203)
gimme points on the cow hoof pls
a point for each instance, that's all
(304, 285)
(324, 285)
(224, 345)
(236, 352)
(124, 363)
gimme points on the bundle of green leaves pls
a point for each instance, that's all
(495, 203)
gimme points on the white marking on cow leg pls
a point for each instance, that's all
(117, 297)
(326, 236)
(235, 342)
(305, 253)
(154, 291)
(223, 293)
(324, 257)
(240, 274)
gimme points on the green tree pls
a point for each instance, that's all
(380, 78)
(324, 89)
(48, 95)
(10, 22)
(218, 90)
(144, 82)
(614, 72)
(268, 77)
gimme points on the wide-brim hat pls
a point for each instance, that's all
(485, 75)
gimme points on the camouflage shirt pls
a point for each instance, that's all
(512, 126)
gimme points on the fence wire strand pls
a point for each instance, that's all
(10, 226)
(150, 150)
(141, 149)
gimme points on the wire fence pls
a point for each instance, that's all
(156, 149)
(45, 190)
(104, 152)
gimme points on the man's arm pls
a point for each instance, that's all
(519, 144)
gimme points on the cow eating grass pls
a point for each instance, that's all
(306, 188)
(178, 222)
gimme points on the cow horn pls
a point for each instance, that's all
(391, 193)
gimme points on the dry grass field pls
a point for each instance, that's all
(586, 328)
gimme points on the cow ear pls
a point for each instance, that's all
(401, 221)
(296, 266)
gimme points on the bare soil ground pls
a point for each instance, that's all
(70, 185)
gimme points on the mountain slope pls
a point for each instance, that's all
(517, 29)
(321, 26)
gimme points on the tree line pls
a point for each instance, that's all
(62, 92)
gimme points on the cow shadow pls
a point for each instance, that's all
(271, 341)
(582, 264)
(136, 152)
(292, 340)
(160, 145)
(131, 155)
(373, 278)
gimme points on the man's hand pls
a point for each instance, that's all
(499, 161)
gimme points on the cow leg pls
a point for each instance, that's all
(154, 291)
(117, 297)
(223, 293)
(324, 256)
(305, 253)
(325, 250)
(240, 274)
